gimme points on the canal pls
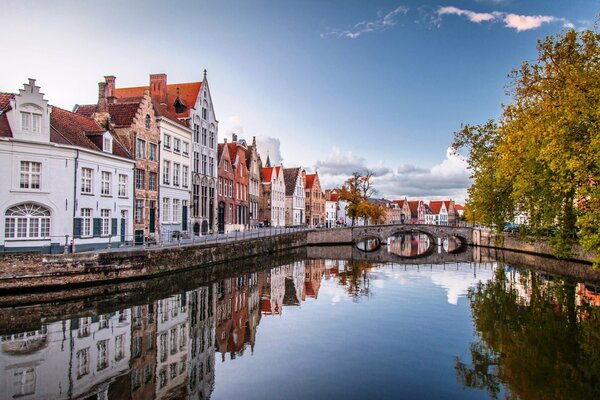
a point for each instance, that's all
(307, 324)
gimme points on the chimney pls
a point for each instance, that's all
(234, 138)
(158, 88)
(102, 106)
(224, 140)
(110, 89)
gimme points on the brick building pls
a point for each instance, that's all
(226, 202)
(314, 200)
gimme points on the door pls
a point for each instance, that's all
(123, 226)
(184, 221)
(152, 220)
(221, 217)
(139, 236)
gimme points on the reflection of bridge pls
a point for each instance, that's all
(381, 255)
(435, 232)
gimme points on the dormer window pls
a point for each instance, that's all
(107, 143)
(147, 121)
(179, 106)
(31, 122)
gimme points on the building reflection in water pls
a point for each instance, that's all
(167, 348)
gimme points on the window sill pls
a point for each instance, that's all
(87, 194)
(124, 197)
(19, 190)
(107, 195)
(27, 239)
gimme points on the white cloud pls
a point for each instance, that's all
(233, 125)
(513, 21)
(447, 179)
(471, 15)
(269, 146)
(526, 22)
(382, 23)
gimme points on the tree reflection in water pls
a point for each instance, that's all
(355, 279)
(538, 335)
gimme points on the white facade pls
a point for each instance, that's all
(43, 203)
(277, 197)
(330, 213)
(203, 163)
(75, 358)
(175, 177)
(295, 202)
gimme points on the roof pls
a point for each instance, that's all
(290, 176)
(87, 109)
(5, 99)
(399, 202)
(435, 206)
(163, 111)
(414, 207)
(309, 180)
(334, 196)
(220, 147)
(75, 129)
(232, 148)
(267, 173)
(187, 92)
(123, 114)
(459, 207)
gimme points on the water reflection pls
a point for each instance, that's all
(538, 334)
(370, 244)
(172, 347)
(409, 244)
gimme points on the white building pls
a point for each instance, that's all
(76, 358)
(67, 183)
(330, 213)
(274, 190)
(175, 174)
(294, 196)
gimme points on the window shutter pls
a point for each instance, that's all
(96, 227)
(113, 224)
(77, 228)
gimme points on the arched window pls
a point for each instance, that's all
(211, 141)
(147, 122)
(204, 110)
(27, 221)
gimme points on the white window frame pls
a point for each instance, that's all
(27, 222)
(140, 149)
(86, 222)
(29, 176)
(166, 205)
(87, 182)
(105, 222)
(167, 142)
(123, 180)
(176, 172)
(176, 145)
(106, 183)
(176, 211)
(184, 176)
(166, 172)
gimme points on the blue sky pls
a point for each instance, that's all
(332, 85)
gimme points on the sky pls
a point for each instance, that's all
(333, 86)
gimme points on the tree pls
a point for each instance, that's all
(544, 155)
(356, 191)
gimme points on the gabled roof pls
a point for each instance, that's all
(187, 92)
(290, 176)
(459, 207)
(85, 109)
(267, 173)
(436, 206)
(5, 99)
(414, 207)
(163, 111)
(232, 148)
(74, 129)
(309, 180)
(334, 196)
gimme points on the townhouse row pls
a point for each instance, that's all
(143, 164)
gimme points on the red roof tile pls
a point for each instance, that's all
(435, 206)
(5, 98)
(163, 111)
(459, 207)
(123, 114)
(267, 173)
(87, 109)
(309, 180)
(399, 202)
(188, 93)
(414, 206)
(232, 148)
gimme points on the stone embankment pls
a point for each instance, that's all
(26, 272)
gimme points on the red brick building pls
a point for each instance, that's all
(225, 199)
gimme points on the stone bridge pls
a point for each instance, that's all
(435, 232)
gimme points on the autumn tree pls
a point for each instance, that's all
(356, 191)
(543, 157)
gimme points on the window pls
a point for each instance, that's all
(173, 336)
(122, 185)
(104, 222)
(167, 142)
(86, 180)
(24, 382)
(176, 145)
(140, 149)
(176, 168)
(31, 122)
(211, 166)
(119, 347)
(212, 137)
(176, 210)
(226, 165)
(152, 181)
(166, 208)
(139, 211)
(102, 354)
(196, 133)
(31, 173)
(204, 110)
(139, 179)
(220, 186)
(152, 151)
(196, 161)
(203, 136)
(230, 188)
(166, 172)
(83, 360)
(147, 121)
(27, 221)
(105, 183)
(86, 222)
(186, 148)
(107, 145)
(184, 176)
(204, 164)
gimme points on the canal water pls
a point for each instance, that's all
(299, 327)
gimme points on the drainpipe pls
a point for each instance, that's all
(74, 203)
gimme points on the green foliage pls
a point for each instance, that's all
(543, 156)
(356, 191)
